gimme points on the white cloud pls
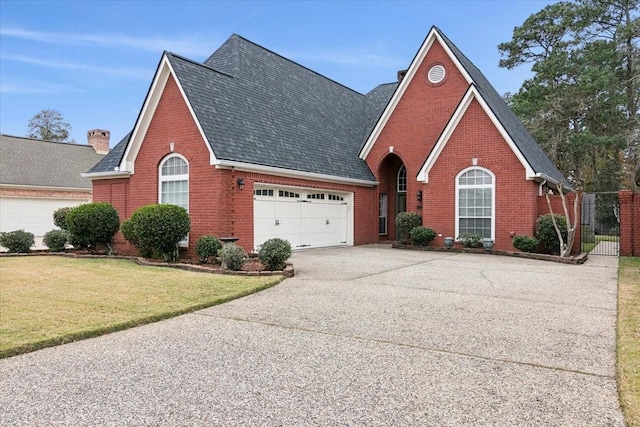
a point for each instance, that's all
(181, 45)
(138, 73)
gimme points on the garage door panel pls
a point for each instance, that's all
(303, 221)
(32, 215)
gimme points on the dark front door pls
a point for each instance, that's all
(401, 206)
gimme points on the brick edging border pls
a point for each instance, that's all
(575, 260)
(288, 271)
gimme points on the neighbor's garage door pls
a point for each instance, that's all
(306, 218)
(32, 215)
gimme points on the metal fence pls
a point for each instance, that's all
(600, 226)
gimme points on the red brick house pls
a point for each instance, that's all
(256, 146)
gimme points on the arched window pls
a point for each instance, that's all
(174, 181)
(475, 202)
(401, 181)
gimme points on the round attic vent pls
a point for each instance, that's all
(436, 74)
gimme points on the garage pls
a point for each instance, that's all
(307, 218)
(31, 214)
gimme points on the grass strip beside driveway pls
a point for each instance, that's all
(46, 301)
(629, 339)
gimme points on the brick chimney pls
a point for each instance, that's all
(401, 74)
(99, 140)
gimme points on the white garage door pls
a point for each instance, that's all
(306, 218)
(32, 215)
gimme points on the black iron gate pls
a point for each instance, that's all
(600, 232)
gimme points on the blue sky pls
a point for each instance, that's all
(94, 60)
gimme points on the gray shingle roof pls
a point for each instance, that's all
(271, 111)
(257, 107)
(34, 162)
(113, 159)
(529, 148)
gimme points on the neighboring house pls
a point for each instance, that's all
(38, 177)
(256, 146)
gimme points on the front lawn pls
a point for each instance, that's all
(629, 339)
(46, 301)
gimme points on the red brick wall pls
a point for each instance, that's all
(46, 194)
(417, 121)
(216, 205)
(629, 223)
(515, 197)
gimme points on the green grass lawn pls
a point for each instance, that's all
(46, 301)
(628, 342)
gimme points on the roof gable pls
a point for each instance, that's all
(40, 163)
(471, 95)
(515, 133)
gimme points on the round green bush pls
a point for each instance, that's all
(546, 232)
(422, 236)
(157, 229)
(232, 256)
(471, 240)
(273, 253)
(17, 241)
(525, 243)
(55, 240)
(207, 246)
(407, 221)
(60, 217)
(92, 224)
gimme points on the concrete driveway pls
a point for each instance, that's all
(361, 336)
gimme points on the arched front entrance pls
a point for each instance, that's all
(392, 195)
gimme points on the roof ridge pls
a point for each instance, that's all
(73, 144)
(166, 52)
(296, 63)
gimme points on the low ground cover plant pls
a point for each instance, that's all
(422, 236)
(55, 240)
(525, 243)
(471, 240)
(274, 253)
(207, 247)
(232, 256)
(17, 241)
(53, 300)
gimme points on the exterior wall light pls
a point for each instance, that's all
(240, 182)
(419, 195)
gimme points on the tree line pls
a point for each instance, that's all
(582, 103)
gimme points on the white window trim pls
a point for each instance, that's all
(493, 198)
(169, 178)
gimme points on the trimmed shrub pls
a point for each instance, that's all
(232, 256)
(129, 233)
(207, 246)
(546, 232)
(92, 224)
(422, 236)
(407, 221)
(525, 243)
(273, 253)
(17, 241)
(157, 229)
(55, 240)
(471, 240)
(60, 217)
